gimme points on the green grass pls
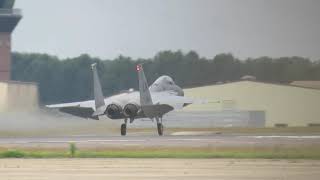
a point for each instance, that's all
(12, 154)
(175, 153)
(72, 149)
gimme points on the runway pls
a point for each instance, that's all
(155, 168)
(143, 169)
(165, 141)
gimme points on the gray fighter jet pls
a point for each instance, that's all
(151, 102)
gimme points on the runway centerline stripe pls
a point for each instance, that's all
(189, 139)
(119, 140)
(289, 137)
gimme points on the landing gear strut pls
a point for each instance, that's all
(160, 126)
(124, 128)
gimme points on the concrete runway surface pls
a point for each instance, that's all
(101, 169)
(165, 141)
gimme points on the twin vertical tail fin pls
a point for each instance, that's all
(98, 95)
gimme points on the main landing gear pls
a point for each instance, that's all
(159, 127)
(124, 128)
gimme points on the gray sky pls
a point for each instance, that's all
(141, 28)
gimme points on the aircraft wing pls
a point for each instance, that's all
(86, 104)
(83, 109)
(86, 109)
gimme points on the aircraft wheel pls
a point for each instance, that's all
(123, 129)
(160, 129)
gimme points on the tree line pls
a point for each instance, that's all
(65, 80)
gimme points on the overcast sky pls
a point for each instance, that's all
(141, 28)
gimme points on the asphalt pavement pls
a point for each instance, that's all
(164, 141)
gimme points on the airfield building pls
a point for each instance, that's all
(259, 104)
(13, 95)
(18, 96)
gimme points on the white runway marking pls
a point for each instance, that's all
(65, 141)
(290, 137)
(188, 139)
(117, 140)
(83, 135)
(83, 141)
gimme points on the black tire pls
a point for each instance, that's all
(160, 129)
(123, 129)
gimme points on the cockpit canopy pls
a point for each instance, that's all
(166, 83)
(164, 80)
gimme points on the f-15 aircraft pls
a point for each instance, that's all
(151, 102)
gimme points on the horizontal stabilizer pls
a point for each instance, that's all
(157, 110)
(82, 112)
(100, 111)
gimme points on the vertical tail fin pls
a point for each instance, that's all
(145, 96)
(149, 109)
(98, 96)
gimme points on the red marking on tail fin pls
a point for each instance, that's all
(139, 67)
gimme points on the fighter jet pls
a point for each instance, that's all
(151, 102)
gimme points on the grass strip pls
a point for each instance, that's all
(280, 154)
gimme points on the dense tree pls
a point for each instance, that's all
(71, 79)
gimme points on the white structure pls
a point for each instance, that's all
(18, 96)
(283, 105)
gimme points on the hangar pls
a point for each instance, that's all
(280, 105)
